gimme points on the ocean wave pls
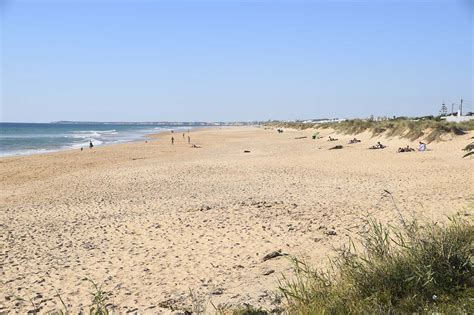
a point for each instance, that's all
(112, 131)
(33, 136)
(22, 152)
(86, 134)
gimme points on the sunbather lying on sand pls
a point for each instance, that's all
(355, 140)
(195, 146)
(332, 139)
(378, 146)
(406, 149)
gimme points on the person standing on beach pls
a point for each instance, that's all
(90, 144)
(183, 135)
(172, 140)
(189, 139)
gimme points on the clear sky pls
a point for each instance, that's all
(232, 60)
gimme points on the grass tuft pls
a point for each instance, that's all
(413, 269)
(249, 310)
(99, 299)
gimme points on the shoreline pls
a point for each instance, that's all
(152, 221)
(145, 137)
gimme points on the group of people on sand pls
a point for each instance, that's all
(352, 141)
(184, 136)
(406, 149)
(189, 138)
(421, 147)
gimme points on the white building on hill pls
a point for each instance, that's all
(458, 118)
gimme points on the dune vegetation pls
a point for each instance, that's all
(411, 270)
(427, 128)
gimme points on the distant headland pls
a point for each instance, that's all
(161, 123)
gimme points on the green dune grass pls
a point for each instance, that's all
(412, 270)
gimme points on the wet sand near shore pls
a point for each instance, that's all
(155, 221)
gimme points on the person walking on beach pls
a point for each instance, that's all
(90, 144)
(189, 139)
(183, 135)
(172, 140)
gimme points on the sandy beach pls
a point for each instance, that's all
(170, 227)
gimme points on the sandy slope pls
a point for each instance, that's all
(153, 221)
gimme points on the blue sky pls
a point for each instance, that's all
(232, 60)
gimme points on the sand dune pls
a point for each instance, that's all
(155, 221)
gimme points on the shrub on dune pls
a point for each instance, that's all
(412, 270)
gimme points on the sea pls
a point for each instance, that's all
(31, 138)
